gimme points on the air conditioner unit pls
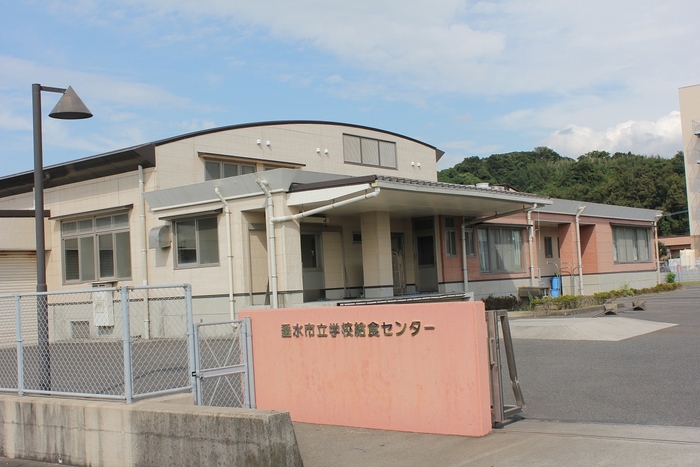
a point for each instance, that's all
(102, 305)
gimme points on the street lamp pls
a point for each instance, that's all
(69, 107)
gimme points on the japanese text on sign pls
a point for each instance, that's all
(334, 330)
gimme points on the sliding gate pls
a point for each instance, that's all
(499, 410)
(224, 364)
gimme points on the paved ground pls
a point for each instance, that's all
(628, 400)
(649, 379)
(523, 444)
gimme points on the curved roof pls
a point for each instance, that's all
(128, 159)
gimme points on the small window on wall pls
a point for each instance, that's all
(469, 240)
(548, 247)
(96, 248)
(214, 170)
(197, 242)
(450, 237)
(368, 151)
(631, 245)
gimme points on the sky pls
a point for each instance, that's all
(472, 78)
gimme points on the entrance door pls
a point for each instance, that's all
(312, 267)
(426, 263)
(398, 263)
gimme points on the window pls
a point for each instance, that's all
(631, 244)
(356, 237)
(197, 242)
(368, 151)
(548, 250)
(450, 237)
(500, 249)
(97, 248)
(214, 170)
(469, 239)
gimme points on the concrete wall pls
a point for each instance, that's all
(426, 380)
(145, 434)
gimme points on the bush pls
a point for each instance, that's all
(566, 302)
(670, 278)
(509, 302)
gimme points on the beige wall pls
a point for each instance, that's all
(180, 162)
(690, 112)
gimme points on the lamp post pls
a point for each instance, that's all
(69, 107)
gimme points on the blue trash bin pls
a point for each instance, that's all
(556, 286)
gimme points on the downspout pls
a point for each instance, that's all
(144, 253)
(656, 249)
(227, 210)
(531, 235)
(579, 211)
(327, 207)
(465, 277)
(271, 251)
(271, 221)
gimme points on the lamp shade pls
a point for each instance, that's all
(70, 107)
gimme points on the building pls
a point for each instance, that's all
(349, 212)
(689, 98)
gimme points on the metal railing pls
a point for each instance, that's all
(111, 343)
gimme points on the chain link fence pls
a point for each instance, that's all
(113, 343)
(224, 364)
(683, 273)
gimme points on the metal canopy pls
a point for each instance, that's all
(401, 197)
(418, 200)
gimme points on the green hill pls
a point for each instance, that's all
(623, 179)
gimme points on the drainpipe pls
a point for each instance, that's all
(656, 249)
(271, 221)
(144, 253)
(579, 211)
(227, 210)
(465, 278)
(531, 235)
(271, 251)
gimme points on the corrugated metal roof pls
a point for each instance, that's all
(293, 180)
(565, 206)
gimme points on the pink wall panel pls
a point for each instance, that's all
(429, 381)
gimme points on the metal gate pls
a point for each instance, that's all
(499, 410)
(224, 364)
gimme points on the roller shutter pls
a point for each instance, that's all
(17, 272)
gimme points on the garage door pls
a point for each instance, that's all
(17, 272)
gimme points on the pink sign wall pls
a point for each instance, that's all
(419, 367)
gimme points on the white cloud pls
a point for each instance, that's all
(93, 88)
(661, 137)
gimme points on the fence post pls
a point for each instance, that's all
(191, 342)
(126, 339)
(20, 348)
(248, 356)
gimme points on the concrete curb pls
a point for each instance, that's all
(547, 313)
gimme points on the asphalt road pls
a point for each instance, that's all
(652, 379)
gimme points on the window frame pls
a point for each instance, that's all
(119, 233)
(222, 165)
(548, 247)
(488, 249)
(388, 161)
(178, 264)
(451, 249)
(625, 240)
